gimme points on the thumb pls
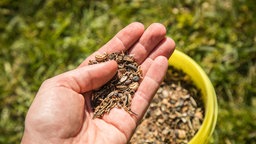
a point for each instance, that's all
(85, 78)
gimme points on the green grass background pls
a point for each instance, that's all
(43, 38)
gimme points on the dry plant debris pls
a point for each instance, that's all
(175, 114)
(118, 92)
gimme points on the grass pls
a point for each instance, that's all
(40, 39)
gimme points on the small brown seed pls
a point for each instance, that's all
(101, 57)
(119, 59)
(180, 133)
(165, 93)
(132, 67)
(91, 62)
(122, 87)
(134, 86)
(120, 95)
(127, 82)
(199, 115)
(124, 78)
(128, 58)
(193, 102)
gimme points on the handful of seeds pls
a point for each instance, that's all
(118, 92)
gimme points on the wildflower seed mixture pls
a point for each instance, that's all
(175, 113)
(118, 92)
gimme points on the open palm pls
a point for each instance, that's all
(61, 111)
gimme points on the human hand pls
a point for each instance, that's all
(61, 112)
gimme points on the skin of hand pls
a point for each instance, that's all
(61, 111)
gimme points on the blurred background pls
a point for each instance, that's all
(43, 38)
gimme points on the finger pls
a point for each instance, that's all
(149, 86)
(87, 78)
(165, 48)
(153, 35)
(122, 41)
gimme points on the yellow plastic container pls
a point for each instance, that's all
(181, 61)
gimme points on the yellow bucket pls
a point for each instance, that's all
(181, 61)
